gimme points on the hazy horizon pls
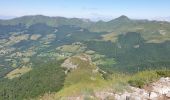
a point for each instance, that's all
(89, 9)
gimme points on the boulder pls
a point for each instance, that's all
(135, 97)
(153, 95)
(168, 94)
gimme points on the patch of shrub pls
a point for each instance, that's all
(137, 83)
(145, 77)
(141, 78)
(163, 73)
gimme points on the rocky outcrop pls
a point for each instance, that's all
(159, 90)
(69, 64)
(73, 62)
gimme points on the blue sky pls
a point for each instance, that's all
(94, 9)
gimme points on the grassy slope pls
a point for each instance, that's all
(118, 83)
(84, 76)
(86, 81)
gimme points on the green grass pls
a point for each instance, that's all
(18, 72)
(106, 62)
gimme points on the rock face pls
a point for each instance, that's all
(159, 90)
(69, 64)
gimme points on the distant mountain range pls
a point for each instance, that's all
(98, 26)
(103, 18)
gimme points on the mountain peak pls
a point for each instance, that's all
(123, 17)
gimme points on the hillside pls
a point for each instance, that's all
(154, 31)
(84, 81)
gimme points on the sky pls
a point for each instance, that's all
(93, 9)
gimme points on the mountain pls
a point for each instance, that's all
(122, 18)
(59, 57)
(110, 26)
(52, 21)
